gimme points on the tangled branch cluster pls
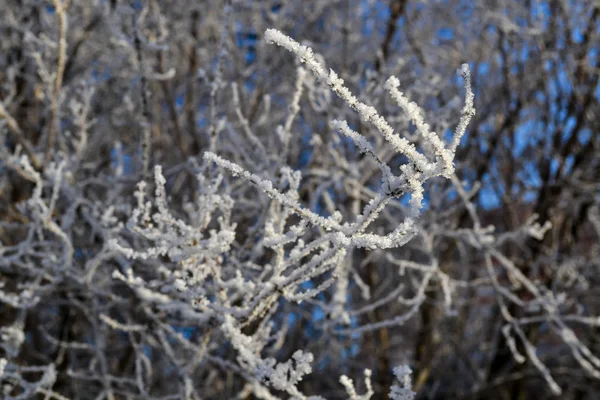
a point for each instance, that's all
(242, 271)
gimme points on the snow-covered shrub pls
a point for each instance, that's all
(196, 205)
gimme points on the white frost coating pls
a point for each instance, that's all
(468, 110)
(404, 390)
(281, 376)
(367, 113)
(12, 337)
(414, 112)
(365, 147)
(267, 187)
(351, 391)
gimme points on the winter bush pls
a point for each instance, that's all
(282, 200)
